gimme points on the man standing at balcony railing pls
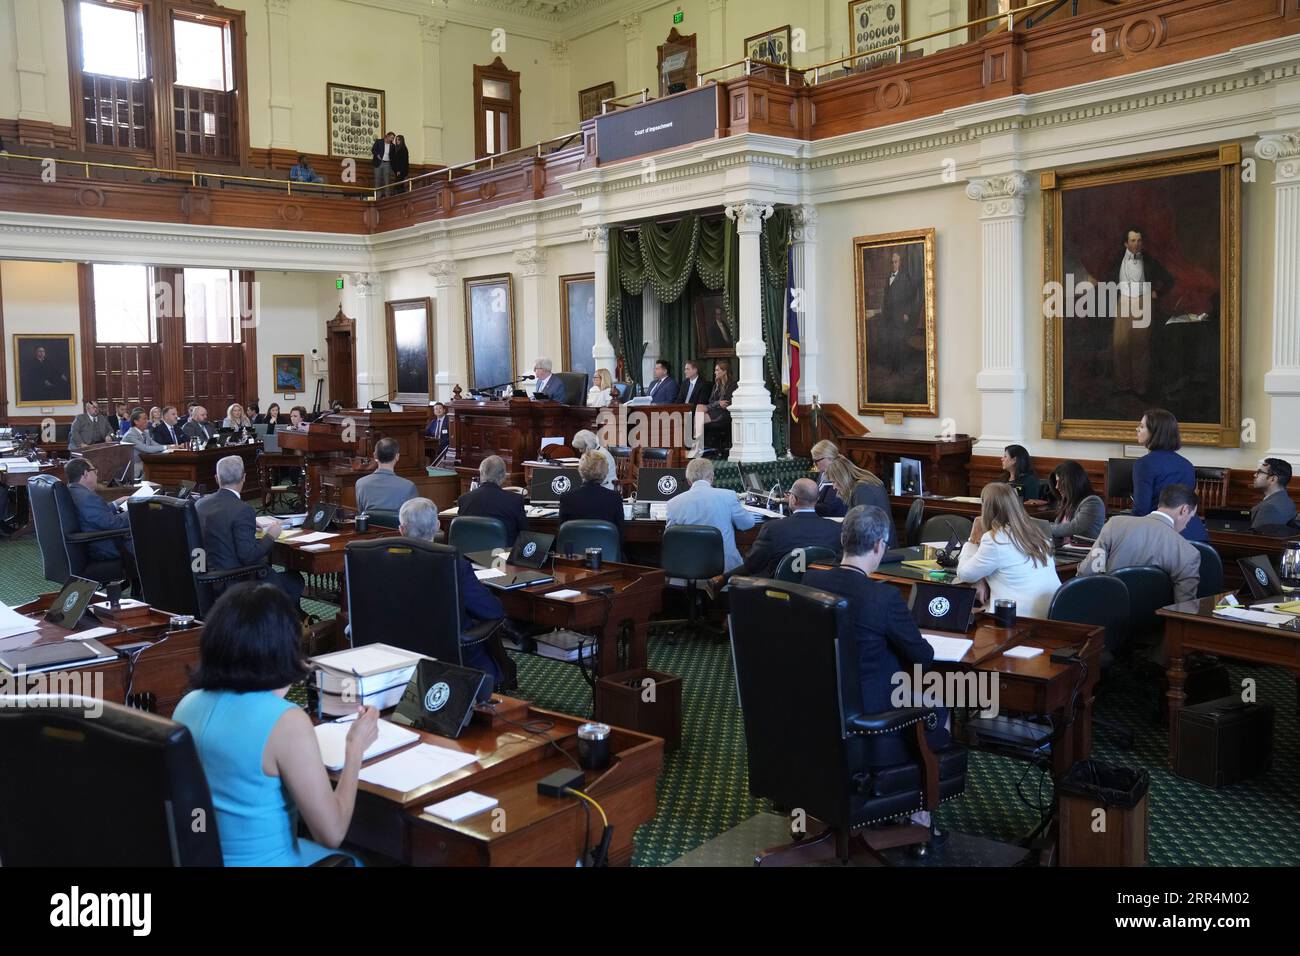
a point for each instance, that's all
(383, 153)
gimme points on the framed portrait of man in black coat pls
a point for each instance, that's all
(46, 369)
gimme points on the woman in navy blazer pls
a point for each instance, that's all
(1161, 466)
(848, 486)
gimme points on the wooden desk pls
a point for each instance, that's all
(901, 504)
(22, 505)
(338, 450)
(897, 573)
(1232, 545)
(162, 670)
(512, 428)
(1192, 626)
(171, 468)
(534, 830)
(943, 463)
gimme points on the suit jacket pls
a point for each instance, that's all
(716, 412)
(384, 490)
(1128, 541)
(1011, 573)
(902, 297)
(377, 153)
(888, 642)
(440, 428)
(1277, 508)
(701, 395)
(553, 389)
(144, 445)
(400, 157)
(493, 501)
(230, 532)
(662, 391)
(86, 432)
(1088, 520)
(201, 430)
(164, 435)
(592, 500)
(1151, 473)
(701, 503)
(477, 602)
(776, 539)
(96, 514)
(831, 505)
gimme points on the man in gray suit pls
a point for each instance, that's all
(548, 386)
(198, 425)
(384, 489)
(90, 428)
(138, 435)
(1276, 508)
(716, 507)
(1128, 541)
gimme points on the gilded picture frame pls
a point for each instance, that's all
(290, 374)
(409, 324)
(490, 330)
(893, 276)
(48, 379)
(770, 46)
(1107, 355)
(590, 99)
(356, 117)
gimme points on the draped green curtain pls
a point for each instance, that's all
(631, 335)
(677, 330)
(773, 269)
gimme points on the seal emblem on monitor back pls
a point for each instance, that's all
(436, 697)
(70, 602)
(560, 484)
(667, 485)
(1261, 577)
(529, 549)
(938, 607)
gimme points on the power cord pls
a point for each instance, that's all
(600, 857)
(538, 728)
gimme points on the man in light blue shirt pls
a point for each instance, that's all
(384, 489)
(716, 507)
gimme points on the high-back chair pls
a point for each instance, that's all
(1101, 600)
(1211, 570)
(912, 527)
(802, 558)
(942, 527)
(692, 552)
(582, 533)
(62, 543)
(469, 533)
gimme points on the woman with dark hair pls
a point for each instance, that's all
(1082, 512)
(1162, 465)
(259, 751)
(1019, 470)
(272, 416)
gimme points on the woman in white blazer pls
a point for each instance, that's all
(1009, 553)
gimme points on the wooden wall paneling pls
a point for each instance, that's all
(86, 320)
(4, 351)
(341, 354)
(172, 386)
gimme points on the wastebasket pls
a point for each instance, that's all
(626, 700)
(1102, 813)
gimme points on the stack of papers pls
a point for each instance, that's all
(333, 739)
(948, 648)
(313, 536)
(415, 768)
(762, 512)
(18, 466)
(1023, 650)
(462, 806)
(1252, 617)
(12, 623)
(486, 574)
(375, 675)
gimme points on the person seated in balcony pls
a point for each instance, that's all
(303, 173)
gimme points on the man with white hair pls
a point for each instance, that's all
(230, 530)
(490, 500)
(418, 519)
(701, 503)
(548, 386)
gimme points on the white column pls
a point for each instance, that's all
(30, 62)
(531, 316)
(804, 236)
(1282, 382)
(717, 36)
(650, 319)
(1001, 380)
(278, 35)
(636, 77)
(367, 307)
(751, 407)
(564, 104)
(602, 352)
(431, 95)
(449, 355)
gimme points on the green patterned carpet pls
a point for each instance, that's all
(703, 790)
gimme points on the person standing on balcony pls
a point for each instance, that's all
(401, 159)
(383, 154)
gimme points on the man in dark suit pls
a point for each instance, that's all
(663, 390)
(1142, 282)
(96, 514)
(230, 530)
(548, 386)
(198, 426)
(490, 500)
(383, 154)
(804, 528)
(591, 499)
(900, 313)
(439, 427)
(693, 389)
(43, 379)
(169, 431)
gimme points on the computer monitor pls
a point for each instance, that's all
(660, 484)
(549, 483)
(1119, 478)
(907, 477)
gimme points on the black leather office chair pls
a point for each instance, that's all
(623, 390)
(406, 592)
(692, 552)
(383, 518)
(1101, 600)
(796, 662)
(575, 387)
(61, 541)
(168, 537)
(1149, 589)
(802, 559)
(654, 457)
(148, 788)
(1211, 570)
(912, 526)
(941, 527)
(468, 534)
(582, 533)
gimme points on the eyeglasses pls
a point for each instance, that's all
(1264, 471)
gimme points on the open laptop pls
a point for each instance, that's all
(67, 609)
(549, 483)
(660, 484)
(440, 697)
(942, 607)
(531, 550)
(1261, 578)
(320, 518)
(268, 437)
(1227, 519)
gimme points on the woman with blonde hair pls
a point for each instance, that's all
(1008, 554)
(848, 486)
(602, 388)
(235, 418)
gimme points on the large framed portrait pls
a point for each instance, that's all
(874, 24)
(713, 337)
(290, 377)
(410, 349)
(46, 367)
(356, 119)
(893, 275)
(490, 330)
(589, 100)
(1141, 297)
(578, 330)
(770, 47)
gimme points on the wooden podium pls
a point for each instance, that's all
(512, 428)
(943, 463)
(110, 459)
(173, 467)
(339, 449)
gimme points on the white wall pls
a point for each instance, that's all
(40, 298)
(294, 307)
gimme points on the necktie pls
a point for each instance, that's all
(689, 389)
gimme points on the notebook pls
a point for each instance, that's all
(333, 738)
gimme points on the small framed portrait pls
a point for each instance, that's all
(770, 47)
(289, 374)
(410, 349)
(356, 119)
(893, 277)
(578, 330)
(589, 100)
(490, 330)
(46, 368)
(713, 335)
(874, 24)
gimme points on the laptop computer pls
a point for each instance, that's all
(184, 489)
(660, 484)
(321, 518)
(942, 607)
(1227, 519)
(67, 609)
(531, 550)
(549, 483)
(1261, 578)
(440, 697)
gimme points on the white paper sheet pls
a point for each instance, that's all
(948, 648)
(1253, 617)
(313, 536)
(462, 806)
(563, 593)
(486, 574)
(12, 623)
(1023, 650)
(415, 767)
(91, 634)
(333, 740)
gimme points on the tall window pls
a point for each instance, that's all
(496, 109)
(112, 40)
(202, 103)
(124, 304)
(214, 305)
(202, 54)
(115, 87)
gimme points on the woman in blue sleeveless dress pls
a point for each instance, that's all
(258, 750)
